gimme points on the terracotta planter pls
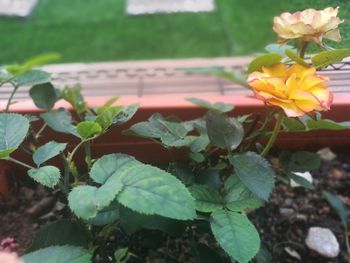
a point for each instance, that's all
(4, 182)
(149, 151)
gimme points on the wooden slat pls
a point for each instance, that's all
(153, 78)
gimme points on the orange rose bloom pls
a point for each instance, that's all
(297, 89)
(309, 25)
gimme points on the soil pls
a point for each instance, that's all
(283, 223)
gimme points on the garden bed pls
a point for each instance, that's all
(283, 223)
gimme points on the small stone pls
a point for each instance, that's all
(59, 206)
(326, 154)
(288, 201)
(292, 253)
(47, 216)
(301, 217)
(323, 241)
(41, 207)
(287, 212)
(306, 175)
(336, 173)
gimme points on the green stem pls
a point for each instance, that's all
(256, 136)
(37, 135)
(9, 80)
(10, 99)
(66, 174)
(19, 162)
(88, 155)
(274, 134)
(346, 232)
(71, 155)
(303, 49)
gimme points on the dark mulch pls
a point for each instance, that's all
(292, 211)
(283, 223)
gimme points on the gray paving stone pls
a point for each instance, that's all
(19, 8)
(140, 7)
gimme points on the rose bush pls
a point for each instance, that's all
(225, 176)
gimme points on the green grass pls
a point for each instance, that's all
(90, 30)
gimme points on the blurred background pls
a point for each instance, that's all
(91, 30)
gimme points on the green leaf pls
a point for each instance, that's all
(295, 57)
(238, 197)
(219, 107)
(266, 60)
(106, 216)
(121, 255)
(254, 172)
(292, 125)
(44, 95)
(325, 58)
(74, 98)
(235, 234)
(207, 199)
(125, 114)
(210, 177)
(47, 175)
(86, 201)
(48, 151)
(32, 77)
(106, 105)
(143, 188)
(200, 143)
(88, 129)
(132, 222)
(182, 171)
(61, 232)
(197, 157)
(325, 124)
(13, 130)
(105, 119)
(107, 165)
(338, 205)
(301, 181)
(60, 120)
(5, 153)
(150, 190)
(41, 59)
(224, 132)
(170, 133)
(32, 62)
(59, 254)
(303, 161)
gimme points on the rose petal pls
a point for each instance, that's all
(311, 81)
(290, 109)
(278, 70)
(333, 35)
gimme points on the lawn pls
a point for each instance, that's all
(90, 30)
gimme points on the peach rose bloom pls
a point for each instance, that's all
(6, 257)
(296, 89)
(308, 25)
